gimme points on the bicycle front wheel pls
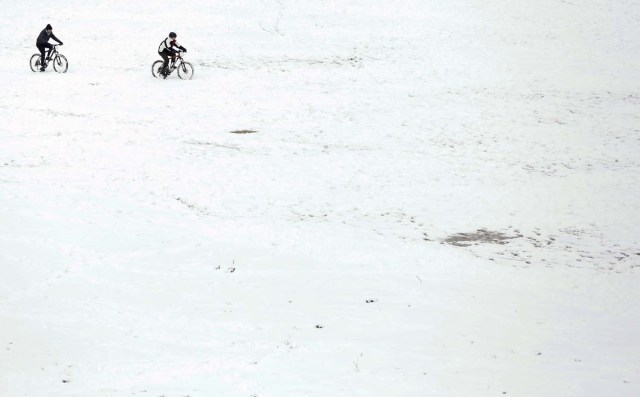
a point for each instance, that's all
(155, 68)
(60, 64)
(34, 62)
(185, 71)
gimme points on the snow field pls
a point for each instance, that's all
(146, 250)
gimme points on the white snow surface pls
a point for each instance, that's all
(145, 250)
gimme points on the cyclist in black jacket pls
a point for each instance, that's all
(43, 42)
(166, 50)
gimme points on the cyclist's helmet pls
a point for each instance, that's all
(173, 35)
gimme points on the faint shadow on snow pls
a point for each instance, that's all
(353, 60)
(196, 208)
(213, 144)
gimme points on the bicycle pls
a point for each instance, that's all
(60, 63)
(185, 69)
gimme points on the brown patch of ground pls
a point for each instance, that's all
(477, 237)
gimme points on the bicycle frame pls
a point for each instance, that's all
(176, 62)
(52, 53)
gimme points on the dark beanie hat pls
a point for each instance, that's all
(49, 27)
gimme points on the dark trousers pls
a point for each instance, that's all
(42, 48)
(166, 54)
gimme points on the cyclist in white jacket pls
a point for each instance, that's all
(166, 50)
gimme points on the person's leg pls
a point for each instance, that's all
(165, 57)
(49, 46)
(41, 48)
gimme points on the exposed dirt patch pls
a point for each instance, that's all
(478, 237)
(243, 132)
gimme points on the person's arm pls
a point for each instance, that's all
(178, 46)
(53, 36)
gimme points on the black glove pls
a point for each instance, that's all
(183, 49)
(61, 43)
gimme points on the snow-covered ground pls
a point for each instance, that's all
(439, 199)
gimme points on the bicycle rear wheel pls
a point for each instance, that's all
(60, 64)
(34, 62)
(155, 68)
(185, 71)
